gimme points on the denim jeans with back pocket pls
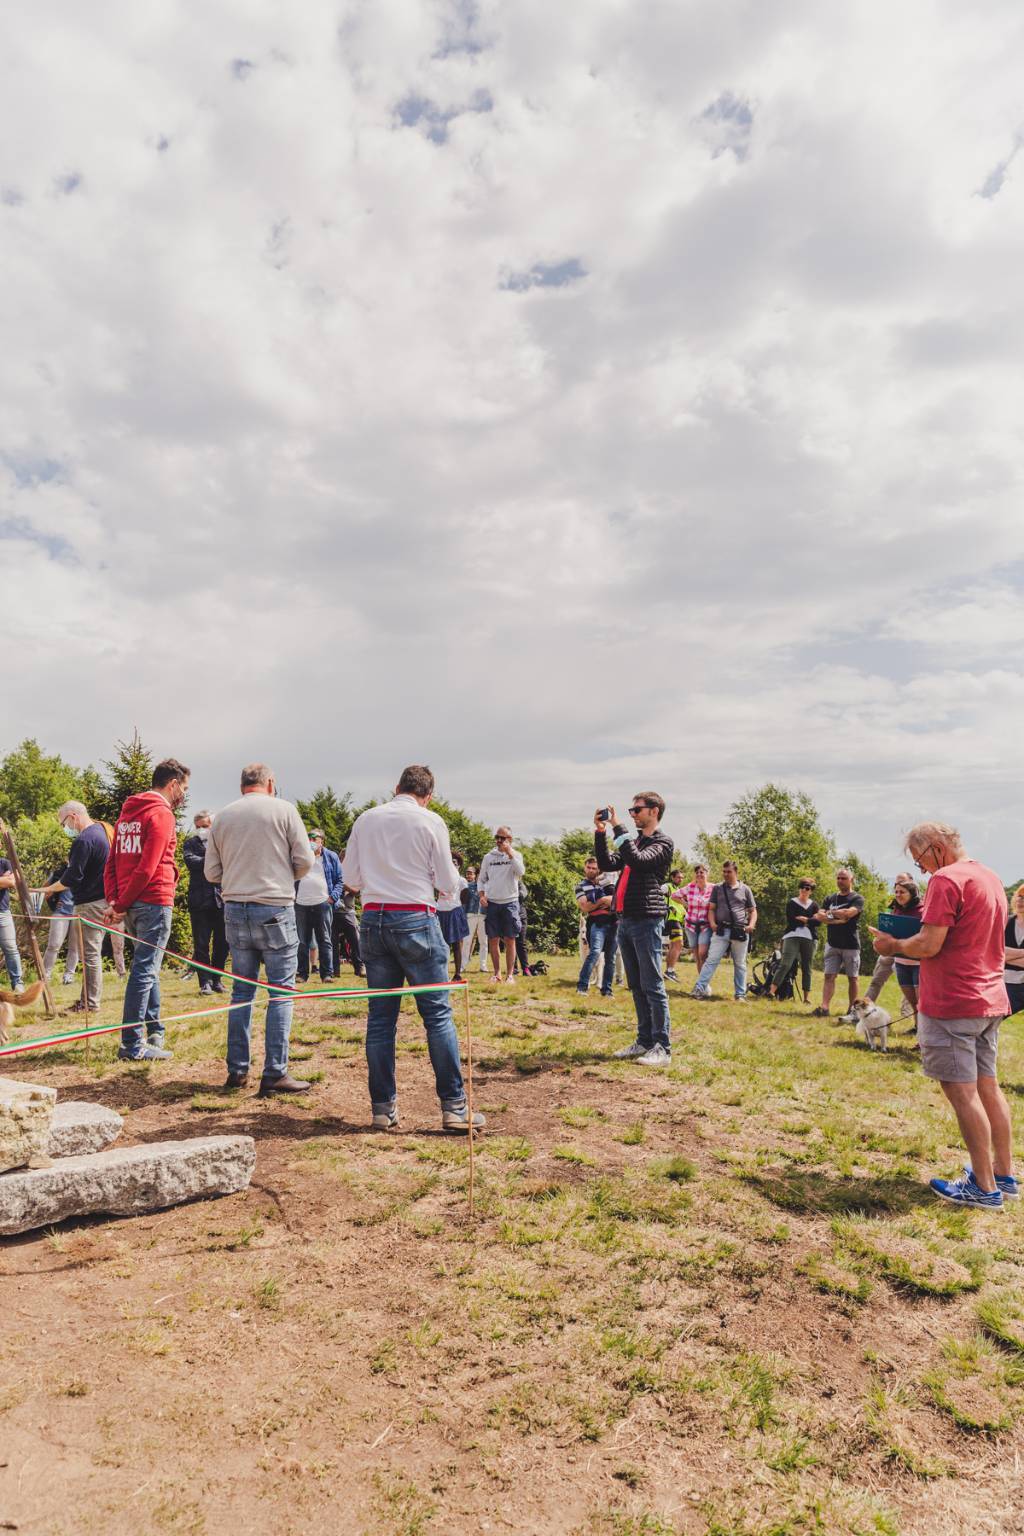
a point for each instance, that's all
(399, 948)
(259, 934)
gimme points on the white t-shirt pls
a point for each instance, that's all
(449, 903)
(807, 931)
(1011, 976)
(312, 889)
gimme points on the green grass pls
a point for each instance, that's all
(733, 1269)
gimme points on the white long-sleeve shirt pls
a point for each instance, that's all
(499, 875)
(398, 854)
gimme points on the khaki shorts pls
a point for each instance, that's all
(958, 1050)
(841, 962)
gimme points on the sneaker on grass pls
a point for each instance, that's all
(657, 1056)
(385, 1120)
(967, 1191)
(145, 1053)
(1008, 1186)
(630, 1052)
(671, 976)
(456, 1121)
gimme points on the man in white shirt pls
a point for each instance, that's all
(398, 855)
(501, 870)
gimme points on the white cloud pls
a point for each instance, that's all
(638, 409)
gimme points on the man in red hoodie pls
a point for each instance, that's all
(139, 882)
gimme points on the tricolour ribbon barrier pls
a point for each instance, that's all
(295, 994)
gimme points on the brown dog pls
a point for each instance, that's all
(11, 1000)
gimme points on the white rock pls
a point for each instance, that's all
(77, 1127)
(125, 1181)
(26, 1110)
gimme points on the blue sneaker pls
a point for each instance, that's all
(1008, 1186)
(967, 1191)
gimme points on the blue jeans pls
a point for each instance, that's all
(9, 945)
(408, 947)
(604, 939)
(144, 921)
(258, 933)
(640, 943)
(313, 925)
(721, 942)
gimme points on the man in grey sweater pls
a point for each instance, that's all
(498, 883)
(256, 850)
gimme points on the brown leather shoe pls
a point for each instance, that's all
(236, 1080)
(284, 1084)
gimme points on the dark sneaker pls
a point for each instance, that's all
(145, 1053)
(457, 1120)
(217, 986)
(283, 1084)
(79, 1007)
(385, 1120)
(671, 976)
(1008, 1186)
(235, 1080)
(967, 1191)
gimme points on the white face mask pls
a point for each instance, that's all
(203, 832)
(68, 829)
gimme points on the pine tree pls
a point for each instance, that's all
(129, 773)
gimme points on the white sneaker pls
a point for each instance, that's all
(630, 1052)
(657, 1056)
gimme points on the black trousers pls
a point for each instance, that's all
(346, 939)
(209, 943)
(521, 953)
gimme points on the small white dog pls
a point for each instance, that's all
(872, 1024)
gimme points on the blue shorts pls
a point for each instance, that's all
(907, 975)
(502, 920)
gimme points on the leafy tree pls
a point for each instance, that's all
(573, 847)
(33, 781)
(552, 913)
(332, 813)
(470, 837)
(129, 773)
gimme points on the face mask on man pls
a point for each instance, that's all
(68, 829)
(203, 832)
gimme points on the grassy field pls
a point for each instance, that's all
(716, 1300)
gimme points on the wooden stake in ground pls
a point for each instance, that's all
(27, 915)
(469, 1090)
(85, 980)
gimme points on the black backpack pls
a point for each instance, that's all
(764, 974)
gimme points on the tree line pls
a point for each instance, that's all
(774, 833)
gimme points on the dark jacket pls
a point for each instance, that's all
(645, 863)
(201, 894)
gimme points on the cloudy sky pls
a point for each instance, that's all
(577, 397)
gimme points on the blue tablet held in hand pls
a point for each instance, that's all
(898, 924)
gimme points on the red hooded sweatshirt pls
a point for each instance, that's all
(141, 865)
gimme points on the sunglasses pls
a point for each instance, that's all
(635, 808)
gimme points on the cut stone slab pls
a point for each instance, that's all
(26, 1110)
(125, 1181)
(78, 1127)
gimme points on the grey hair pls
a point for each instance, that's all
(202, 816)
(256, 773)
(939, 832)
(71, 808)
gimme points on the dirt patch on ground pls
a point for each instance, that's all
(626, 1339)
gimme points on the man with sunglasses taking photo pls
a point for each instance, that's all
(644, 858)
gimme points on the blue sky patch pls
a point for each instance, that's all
(415, 111)
(726, 125)
(545, 274)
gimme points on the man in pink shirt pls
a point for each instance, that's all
(962, 1004)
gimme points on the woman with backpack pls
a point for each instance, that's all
(798, 941)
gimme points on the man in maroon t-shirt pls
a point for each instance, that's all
(962, 1004)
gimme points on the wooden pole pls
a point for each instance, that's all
(85, 979)
(27, 915)
(469, 1092)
